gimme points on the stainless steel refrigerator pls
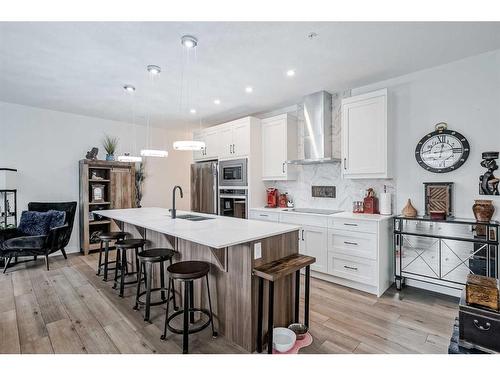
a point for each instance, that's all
(204, 189)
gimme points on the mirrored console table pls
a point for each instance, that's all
(444, 252)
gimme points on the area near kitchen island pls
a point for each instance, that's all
(230, 246)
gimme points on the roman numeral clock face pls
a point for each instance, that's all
(442, 151)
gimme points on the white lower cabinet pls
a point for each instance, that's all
(360, 270)
(313, 241)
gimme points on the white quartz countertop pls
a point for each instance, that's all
(338, 215)
(218, 233)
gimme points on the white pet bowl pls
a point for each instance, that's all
(283, 339)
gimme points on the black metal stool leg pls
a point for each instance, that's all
(106, 259)
(173, 290)
(191, 301)
(164, 336)
(185, 333)
(99, 264)
(148, 289)
(123, 271)
(270, 322)
(162, 281)
(117, 267)
(139, 274)
(297, 295)
(260, 310)
(7, 263)
(214, 334)
(306, 298)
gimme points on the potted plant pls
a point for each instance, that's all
(110, 143)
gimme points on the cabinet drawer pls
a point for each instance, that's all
(264, 215)
(356, 269)
(356, 244)
(353, 225)
(304, 219)
(480, 330)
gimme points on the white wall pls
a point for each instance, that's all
(466, 95)
(45, 146)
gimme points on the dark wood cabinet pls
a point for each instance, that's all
(103, 185)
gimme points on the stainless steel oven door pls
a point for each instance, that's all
(233, 172)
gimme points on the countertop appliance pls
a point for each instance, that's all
(204, 189)
(233, 173)
(272, 197)
(233, 202)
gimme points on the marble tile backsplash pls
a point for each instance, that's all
(299, 190)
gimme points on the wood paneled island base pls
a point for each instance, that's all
(234, 289)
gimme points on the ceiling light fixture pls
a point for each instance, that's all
(217, 101)
(249, 89)
(189, 145)
(129, 159)
(129, 88)
(290, 73)
(192, 111)
(189, 41)
(154, 153)
(154, 69)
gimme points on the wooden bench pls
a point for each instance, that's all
(272, 272)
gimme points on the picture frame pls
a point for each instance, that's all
(438, 197)
(98, 191)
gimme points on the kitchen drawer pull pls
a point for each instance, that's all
(264, 215)
(350, 243)
(283, 168)
(351, 224)
(351, 268)
(302, 234)
(486, 327)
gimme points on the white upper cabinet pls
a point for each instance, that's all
(241, 138)
(279, 144)
(211, 144)
(365, 145)
(198, 136)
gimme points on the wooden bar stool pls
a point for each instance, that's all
(272, 272)
(146, 260)
(187, 272)
(106, 238)
(121, 267)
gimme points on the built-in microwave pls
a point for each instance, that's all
(233, 173)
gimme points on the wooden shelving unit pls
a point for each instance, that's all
(118, 182)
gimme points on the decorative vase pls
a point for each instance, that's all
(110, 157)
(483, 210)
(409, 210)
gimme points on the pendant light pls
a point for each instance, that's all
(189, 43)
(154, 72)
(126, 157)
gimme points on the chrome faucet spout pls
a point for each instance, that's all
(173, 211)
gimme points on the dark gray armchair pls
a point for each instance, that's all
(16, 244)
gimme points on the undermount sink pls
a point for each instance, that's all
(193, 217)
(319, 211)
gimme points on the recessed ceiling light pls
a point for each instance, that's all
(129, 88)
(192, 111)
(154, 69)
(312, 35)
(290, 73)
(249, 89)
(217, 101)
(189, 41)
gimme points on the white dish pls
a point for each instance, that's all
(283, 339)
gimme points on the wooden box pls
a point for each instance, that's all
(478, 328)
(482, 291)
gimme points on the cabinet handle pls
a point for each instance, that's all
(351, 268)
(302, 234)
(230, 149)
(263, 215)
(350, 243)
(351, 225)
(345, 164)
(234, 148)
(486, 327)
(283, 168)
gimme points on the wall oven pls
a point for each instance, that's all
(233, 202)
(233, 173)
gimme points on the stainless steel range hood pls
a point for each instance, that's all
(317, 130)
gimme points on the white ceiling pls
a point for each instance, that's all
(81, 67)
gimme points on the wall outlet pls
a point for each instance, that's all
(257, 250)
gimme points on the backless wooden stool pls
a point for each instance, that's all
(272, 272)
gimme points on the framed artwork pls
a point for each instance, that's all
(98, 193)
(438, 197)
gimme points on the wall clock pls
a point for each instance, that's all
(442, 150)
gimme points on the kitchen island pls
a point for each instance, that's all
(233, 247)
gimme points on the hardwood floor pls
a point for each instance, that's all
(71, 310)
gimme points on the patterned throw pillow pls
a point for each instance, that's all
(34, 223)
(58, 218)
